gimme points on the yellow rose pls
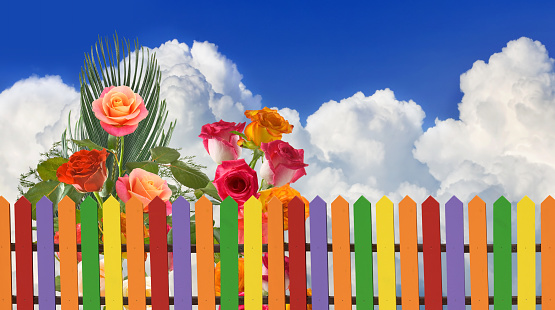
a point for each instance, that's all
(285, 194)
(266, 126)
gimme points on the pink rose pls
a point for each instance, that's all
(145, 186)
(283, 164)
(265, 272)
(219, 142)
(236, 179)
(119, 110)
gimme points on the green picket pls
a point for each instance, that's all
(89, 250)
(229, 254)
(502, 251)
(363, 254)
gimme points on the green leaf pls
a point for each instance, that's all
(210, 190)
(47, 169)
(216, 258)
(170, 236)
(193, 233)
(56, 226)
(216, 235)
(71, 192)
(112, 142)
(164, 155)
(145, 165)
(88, 144)
(242, 135)
(169, 220)
(57, 281)
(188, 176)
(51, 189)
(77, 216)
(107, 188)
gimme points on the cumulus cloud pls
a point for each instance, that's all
(34, 115)
(502, 143)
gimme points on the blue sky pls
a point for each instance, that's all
(295, 54)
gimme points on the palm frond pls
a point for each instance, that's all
(117, 66)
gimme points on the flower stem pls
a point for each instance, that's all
(97, 196)
(255, 156)
(120, 157)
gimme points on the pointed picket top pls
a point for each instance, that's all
(3, 201)
(454, 200)
(361, 201)
(502, 201)
(65, 204)
(275, 203)
(526, 201)
(180, 199)
(550, 201)
(111, 200)
(23, 202)
(317, 200)
(296, 203)
(407, 201)
(204, 201)
(135, 203)
(44, 201)
(429, 200)
(477, 200)
(227, 199)
(251, 203)
(384, 201)
(339, 201)
(157, 202)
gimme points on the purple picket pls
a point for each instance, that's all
(45, 254)
(454, 233)
(319, 253)
(181, 229)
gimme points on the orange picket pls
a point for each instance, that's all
(341, 245)
(135, 254)
(478, 253)
(68, 254)
(276, 276)
(5, 255)
(205, 254)
(409, 253)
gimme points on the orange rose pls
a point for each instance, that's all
(285, 194)
(218, 274)
(85, 170)
(119, 110)
(145, 186)
(266, 126)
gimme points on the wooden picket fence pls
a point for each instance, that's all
(341, 247)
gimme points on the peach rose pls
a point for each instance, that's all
(266, 126)
(119, 110)
(145, 186)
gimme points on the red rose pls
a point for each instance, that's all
(236, 179)
(86, 170)
(284, 164)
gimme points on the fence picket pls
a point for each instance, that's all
(205, 254)
(319, 253)
(276, 263)
(253, 254)
(68, 253)
(5, 255)
(526, 254)
(89, 250)
(386, 253)
(341, 245)
(478, 253)
(502, 256)
(181, 226)
(23, 254)
(297, 253)
(548, 252)
(362, 216)
(159, 254)
(432, 254)
(229, 276)
(136, 282)
(408, 235)
(454, 233)
(45, 254)
(112, 253)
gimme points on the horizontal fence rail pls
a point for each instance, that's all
(274, 244)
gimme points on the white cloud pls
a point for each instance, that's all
(503, 143)
(34, 115)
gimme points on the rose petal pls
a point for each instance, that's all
(118, 131)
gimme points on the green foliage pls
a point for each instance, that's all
(188, 176)
(47, 169)
(164, 155)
